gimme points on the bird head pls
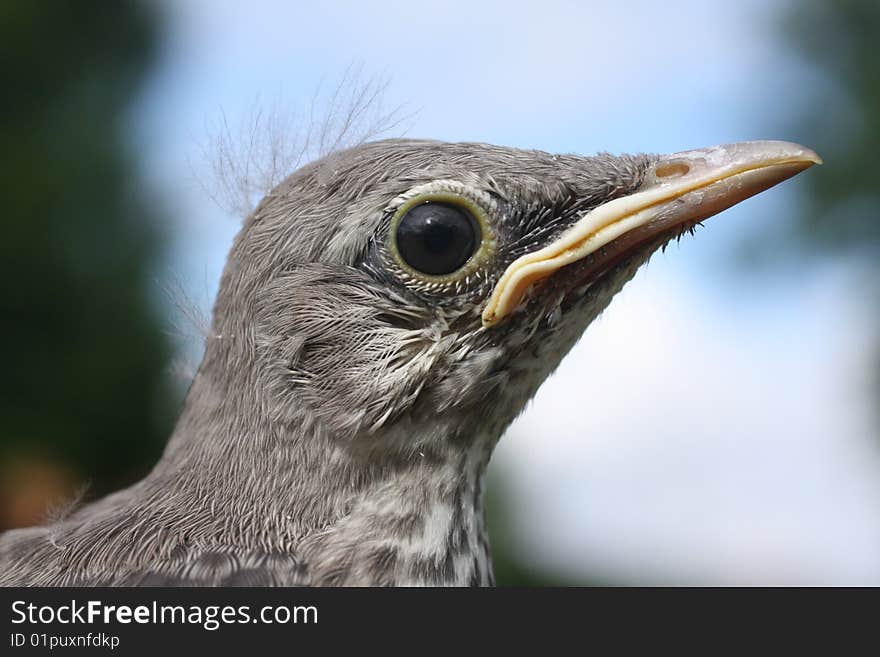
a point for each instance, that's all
(409, 295)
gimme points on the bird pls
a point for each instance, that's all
(384, 313)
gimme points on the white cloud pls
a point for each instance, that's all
(685, 441)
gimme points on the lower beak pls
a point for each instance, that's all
(678, 190)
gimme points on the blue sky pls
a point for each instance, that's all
(713, 426)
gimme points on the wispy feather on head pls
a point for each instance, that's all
(245, 159)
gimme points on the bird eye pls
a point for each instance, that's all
(437, 238)
(441, 236)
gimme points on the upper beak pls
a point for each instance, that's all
(677, 190)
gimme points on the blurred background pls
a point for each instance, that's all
(718, 425)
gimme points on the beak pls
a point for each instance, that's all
(678, 190)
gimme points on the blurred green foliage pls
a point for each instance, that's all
(83, 352)
(837, 39)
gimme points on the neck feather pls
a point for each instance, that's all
(352, 517)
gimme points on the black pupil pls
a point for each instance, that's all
(436, 238)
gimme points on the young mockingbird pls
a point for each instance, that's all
(384, 314)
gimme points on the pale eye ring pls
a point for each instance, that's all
(440, 237)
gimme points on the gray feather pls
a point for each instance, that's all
(338, 429)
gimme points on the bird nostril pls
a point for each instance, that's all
(672, 170)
